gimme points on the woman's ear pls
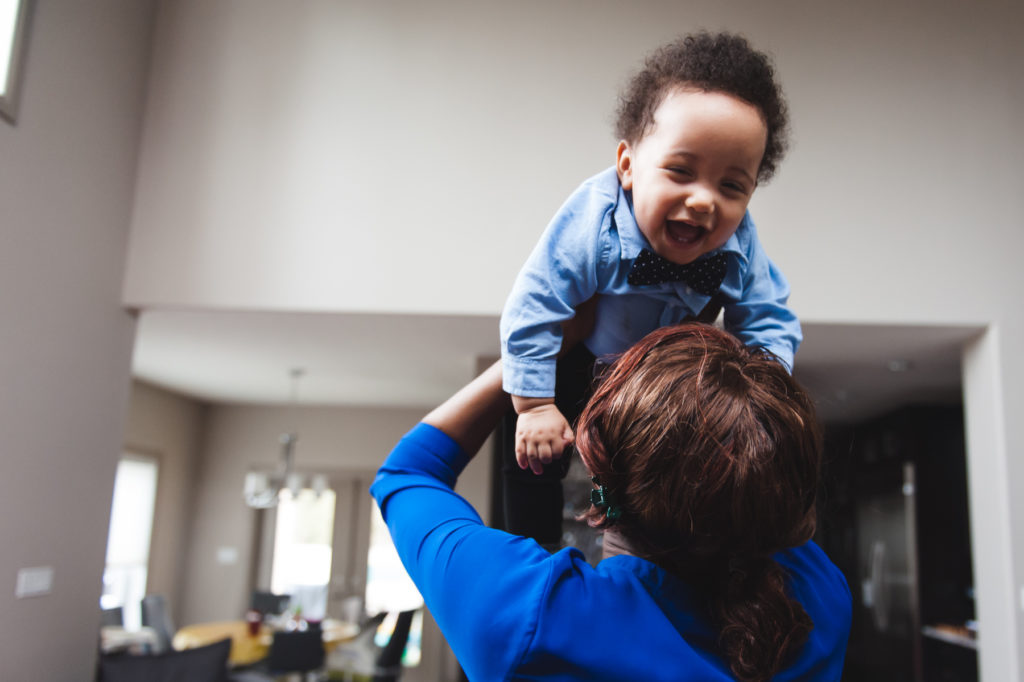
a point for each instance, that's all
(624, 165)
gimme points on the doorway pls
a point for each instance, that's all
(861, 372)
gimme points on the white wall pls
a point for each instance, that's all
(66, 181)
(286, 143)
(168, 427)
(289, 150)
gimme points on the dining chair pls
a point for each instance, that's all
(297, 651)
(203, 664)
(388, 666)
(358, 654)
(362, 658)
(114, 616)
(156, 616)
(268, 603)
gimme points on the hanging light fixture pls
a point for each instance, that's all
(262, 488)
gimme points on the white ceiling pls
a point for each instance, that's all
(418, 360)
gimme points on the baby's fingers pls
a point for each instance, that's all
(533, 456)
(527, 454)
(521, 447)
(544, 451)
(522, 460)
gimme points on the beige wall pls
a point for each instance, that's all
(66, 180)
(289, 148)
(170, 428)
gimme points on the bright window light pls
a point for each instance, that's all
(390, 589)
(131, 527)
(8, 24)
(303, 539)
(388, 586)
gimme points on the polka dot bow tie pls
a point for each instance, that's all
(704, 276)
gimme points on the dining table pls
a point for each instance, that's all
(117, 638)
(248, 648)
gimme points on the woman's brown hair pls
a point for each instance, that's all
(711, 451)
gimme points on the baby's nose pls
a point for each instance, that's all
(702, 200)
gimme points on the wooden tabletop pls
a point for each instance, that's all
(247, 649)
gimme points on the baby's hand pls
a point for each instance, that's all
(542, 433)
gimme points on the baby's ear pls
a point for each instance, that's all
(624, 164)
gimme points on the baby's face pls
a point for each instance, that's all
(693, 173)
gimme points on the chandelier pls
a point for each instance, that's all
(263, 488)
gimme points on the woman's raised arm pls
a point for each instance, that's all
(469, 416)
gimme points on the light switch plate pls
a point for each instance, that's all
(34, 582)
(227, 555)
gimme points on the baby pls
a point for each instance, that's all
(662, 237)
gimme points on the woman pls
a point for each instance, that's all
(705, 456)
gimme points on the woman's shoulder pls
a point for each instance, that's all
(810, 562)
(590, 615)
(815, 580)
(822, 590)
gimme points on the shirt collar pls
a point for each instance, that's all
(631, 240)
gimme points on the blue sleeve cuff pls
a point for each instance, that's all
(784, 354)
(528, 378)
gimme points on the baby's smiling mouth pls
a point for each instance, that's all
(683, 232)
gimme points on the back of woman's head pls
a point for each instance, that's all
(711, 451)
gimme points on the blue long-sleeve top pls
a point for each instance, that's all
(510, 610)
(587, 250)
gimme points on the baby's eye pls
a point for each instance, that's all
(735, 187)
(680, 170)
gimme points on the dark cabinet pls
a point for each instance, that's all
(895, 520)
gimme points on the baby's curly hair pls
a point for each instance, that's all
(719, 62)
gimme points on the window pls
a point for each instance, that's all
(131, 526)
(390, 589)
(388, 586)
(12, 25)
(303, 537)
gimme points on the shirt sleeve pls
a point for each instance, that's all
(483, 586)
(561, 272)
(762, 317)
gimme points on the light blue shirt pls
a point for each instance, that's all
(587, 250)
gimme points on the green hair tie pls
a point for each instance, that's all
(602, 499)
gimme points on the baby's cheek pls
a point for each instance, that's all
(725, 235)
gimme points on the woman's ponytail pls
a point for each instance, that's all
(760, 626)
